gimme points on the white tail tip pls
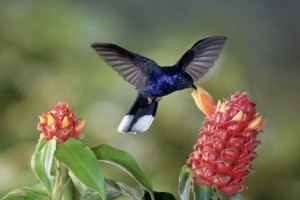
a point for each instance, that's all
(141, 125)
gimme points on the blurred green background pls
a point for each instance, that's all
(45, 58)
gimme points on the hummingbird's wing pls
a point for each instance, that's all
(134, 68)
(202, 56)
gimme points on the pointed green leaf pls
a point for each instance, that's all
(35, 191)
(202, 192)
(82, 162)
(41, 162)
(236, 197)
(185, 183)
(90, 194)
(79, 187)
(114, 190)
(124, 161)
(69, 192)
(20, 194)
(38, 189)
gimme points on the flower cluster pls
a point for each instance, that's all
(224, 152)
(60, 122)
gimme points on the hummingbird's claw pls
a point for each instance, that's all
(149, 100)
(158, 99)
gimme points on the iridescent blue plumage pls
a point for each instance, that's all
(165, 80)
(152, 81)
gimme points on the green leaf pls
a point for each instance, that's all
(115, 190)
(82, 162)
(90, 194)
(35, 191)
(185, 183)
(236, 197)
(41, 162)
(62, 180)
(38, 189)
(20, 194)
(79, 187)
(202, 192)
(124, 161)
(69, 192)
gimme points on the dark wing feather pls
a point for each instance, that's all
(202, 56)
(134, 68)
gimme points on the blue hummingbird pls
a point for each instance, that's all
(152, 81)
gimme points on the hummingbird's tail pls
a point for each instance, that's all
(139, 117)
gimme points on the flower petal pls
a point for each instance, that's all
(65, 122)
(50, 120)
(204, 101)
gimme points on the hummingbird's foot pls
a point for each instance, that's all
(150, 100)
(158, 99)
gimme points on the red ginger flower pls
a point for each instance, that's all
(224, 152)
(61, 123)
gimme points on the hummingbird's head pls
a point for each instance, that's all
(186, 81)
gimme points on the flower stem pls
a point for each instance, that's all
(61, 180)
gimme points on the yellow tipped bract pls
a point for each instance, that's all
(50, 120)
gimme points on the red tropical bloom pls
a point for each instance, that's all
(60, 122)
(224, 152)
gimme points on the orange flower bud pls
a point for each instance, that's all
(204, 101)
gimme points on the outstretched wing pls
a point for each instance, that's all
(202, 56)
(134, 68)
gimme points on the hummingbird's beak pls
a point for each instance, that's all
(194, 87)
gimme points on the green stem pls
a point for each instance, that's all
(61, 180)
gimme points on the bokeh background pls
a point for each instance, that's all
(45, 58)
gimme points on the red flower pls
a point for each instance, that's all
(224, 152)
(61, 123)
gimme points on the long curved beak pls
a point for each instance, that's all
(193, 86)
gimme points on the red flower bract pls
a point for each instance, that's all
(60, 122)
(224, 152)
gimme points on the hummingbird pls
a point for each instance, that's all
(152, 81)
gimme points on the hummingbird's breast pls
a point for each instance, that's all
(161, 83)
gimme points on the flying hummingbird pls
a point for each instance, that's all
(152, 81)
